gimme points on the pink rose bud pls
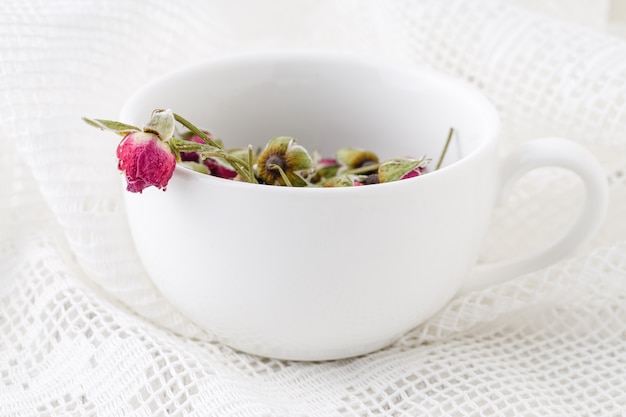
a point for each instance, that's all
(145, 160)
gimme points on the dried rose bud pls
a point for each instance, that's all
(354, 158)
(400, 168)
(145, 160)
(281, 160)
(145, 157)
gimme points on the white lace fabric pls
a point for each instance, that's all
(84, 332)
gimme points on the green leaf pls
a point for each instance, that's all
(121, 129)
(196, 131)
(189, 146)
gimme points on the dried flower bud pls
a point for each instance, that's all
(145, 160)
(354, 158)
(281, 159)
(400, 168)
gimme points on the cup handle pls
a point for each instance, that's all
(542, 153)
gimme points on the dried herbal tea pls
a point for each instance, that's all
(148, 156)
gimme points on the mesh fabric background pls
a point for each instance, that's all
(84, 332)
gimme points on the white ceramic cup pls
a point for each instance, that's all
(318, 273)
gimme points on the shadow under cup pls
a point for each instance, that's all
(313, 274)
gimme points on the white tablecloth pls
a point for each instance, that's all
(84, 332)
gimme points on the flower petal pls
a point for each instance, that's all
(218, 169)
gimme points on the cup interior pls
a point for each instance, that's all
(326, 102)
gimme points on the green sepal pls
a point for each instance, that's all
(120, 128)
(162, 123)
(296, 180)
(298, 158)
(395, 169)
(189, 146)
(175, 151)
(278, 144)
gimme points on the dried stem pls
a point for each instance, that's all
(445, 149)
